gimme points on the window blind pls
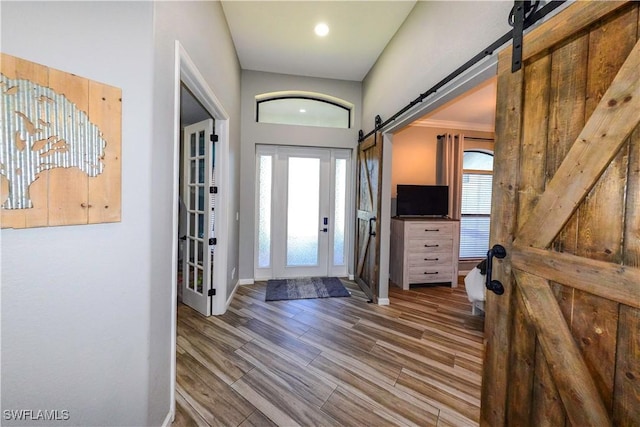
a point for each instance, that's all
(475, 220)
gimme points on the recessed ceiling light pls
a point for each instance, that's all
(322, 29)
(302, 110)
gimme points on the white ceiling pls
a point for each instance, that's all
(278, 37)
(473, 110)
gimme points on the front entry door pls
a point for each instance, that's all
(563, 342)
(304, 212)
(198, 195)
(368, 187)
(302, 200)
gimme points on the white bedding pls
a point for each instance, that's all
(474, 284)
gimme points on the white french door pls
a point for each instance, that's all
(198, 194)
(302, 201)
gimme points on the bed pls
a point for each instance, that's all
(474, 284)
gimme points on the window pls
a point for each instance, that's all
(477, 179)
(304, 110)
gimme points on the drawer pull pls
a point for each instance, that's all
(431, 246)
(431, 273)
(431, 229)
(431, 259)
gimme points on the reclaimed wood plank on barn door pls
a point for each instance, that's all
(531, 181)
(626, 394)
(566, 118)
(503, 224)
(605, 279)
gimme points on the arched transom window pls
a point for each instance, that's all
(303, 108)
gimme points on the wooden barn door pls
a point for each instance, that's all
(563, 342)
(368, 186)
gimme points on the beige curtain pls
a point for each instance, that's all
(449, 169)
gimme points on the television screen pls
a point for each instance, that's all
(422, 200)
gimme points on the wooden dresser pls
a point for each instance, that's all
(424, 251)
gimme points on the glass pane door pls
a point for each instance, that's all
(198, 177)
(303, 211)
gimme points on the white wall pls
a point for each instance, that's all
(202, 30)
(415, 150)
(257, 83)
(414, 157)
(436, 38)
(75, 299)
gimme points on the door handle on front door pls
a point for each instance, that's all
(325, 222)
(494, 286)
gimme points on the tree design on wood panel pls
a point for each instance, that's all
(43, 130)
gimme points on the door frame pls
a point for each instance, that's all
(278, 195)
(186, 72)
(476, 75)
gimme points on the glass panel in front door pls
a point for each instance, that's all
(303, 204)
(339, 212)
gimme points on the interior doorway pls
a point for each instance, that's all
(474, 78)
(188, 76)
(302, 202)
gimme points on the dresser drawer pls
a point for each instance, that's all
(417, 259)
(429, 275)
(429, 245)
(429, 230)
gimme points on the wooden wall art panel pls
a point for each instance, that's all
(60, 149)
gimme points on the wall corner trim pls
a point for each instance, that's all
(169, 418)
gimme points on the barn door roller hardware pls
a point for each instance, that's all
(531, 16)
(520, 13)
(494, 286)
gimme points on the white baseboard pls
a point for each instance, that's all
(233, 293)
(246, 282)
(351, 277)
(383, 301)
(168, 419)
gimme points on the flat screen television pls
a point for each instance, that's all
(422, 200)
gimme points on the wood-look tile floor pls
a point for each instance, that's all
(332, 361)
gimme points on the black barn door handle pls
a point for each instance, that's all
(372, 231)
(495, 286)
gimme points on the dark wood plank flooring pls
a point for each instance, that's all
(332, 361)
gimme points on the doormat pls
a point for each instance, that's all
(303, 288)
